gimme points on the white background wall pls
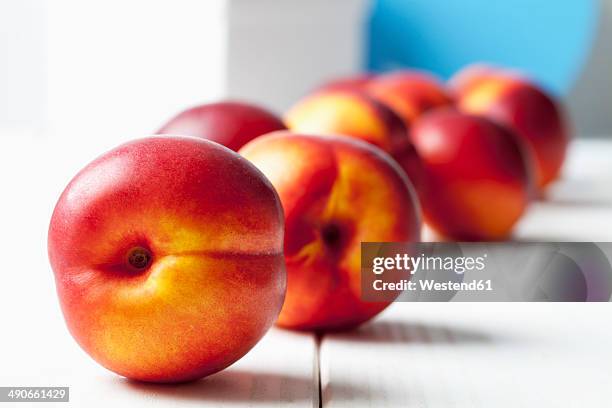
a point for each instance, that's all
(280, 49)
(22, 63)
(122, 68)
(125, 67)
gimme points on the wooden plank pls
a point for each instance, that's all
(36, 349)
(441, 355)
(579, 206)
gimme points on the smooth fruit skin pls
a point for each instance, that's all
(336, 193)
(409, 93)
(477, 175)
(523, 106)
(213, 226)
(231, 124)
(357, 115)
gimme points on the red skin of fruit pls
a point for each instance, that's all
(357, 115)
(534, 115)
(212, 225)
(232, 124)
(409, 93)
(478, 177)
(336, 192)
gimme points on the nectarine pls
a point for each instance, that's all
(477, 175)
(336, 192)
(231, 124)
(532, 113)
(168, 262)
(409, 93)
(469, 77)
(359, 116)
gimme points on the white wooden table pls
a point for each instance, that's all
(413, 355)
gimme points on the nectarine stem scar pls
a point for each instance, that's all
(332, 235)
(139, 258)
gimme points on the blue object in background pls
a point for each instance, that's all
(548, 39)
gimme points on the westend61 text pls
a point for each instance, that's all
(432, 285)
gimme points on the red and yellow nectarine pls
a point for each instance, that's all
(359, 116)
(534, 115)
(168, 262)
(409, 93)
(336, 192)
(470, 76)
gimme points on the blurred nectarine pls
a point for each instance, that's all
(359, 116)
(533, 114)
(409, 93)
(231, 124)
(477, 176)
